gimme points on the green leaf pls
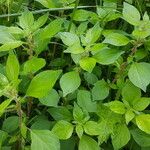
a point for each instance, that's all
(107, 56)
(44, 140)
(130, 92)
(116, 39)
(40, 22)
(87, 143)
(139, 75)
(33, 65)
(70, 82)
(3, 81)
(78, 113)
(3, 137)
(141, 104)
(92, 34)
(12, 67)
(117, 107)
(47, 3)
(49, 31)
(129, 115)
(51, 99)
(60, 113)
(76, 48)
(87, 63)
(131, 14)
(90, 78)
(63, 129)
(26, 20)
(81, 15)
(100, 90)
(42, 83)
(69, 39)
(4, 105)
(11, 124)
(141, 137)
(79, 130)
(10, 45)
(120, 137)
(143, 122)
(85, 102)
(92, 128)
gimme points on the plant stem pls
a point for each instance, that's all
(45, 10)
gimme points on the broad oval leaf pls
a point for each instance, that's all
(42, 83)
(44, 140)
(12, 67)
(139, 75)
(116, 39)
(87, 143)
(87, 64)
(120, 137)
(63, 129)
(143, 122)
(33, 65)
(141, 137)
(69, 82)
(107, 56)
(51, 99)
(131, 14)
(92, 128)
(100, 90)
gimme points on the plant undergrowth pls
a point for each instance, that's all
(74, 75)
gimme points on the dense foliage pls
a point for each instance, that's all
(74, 75)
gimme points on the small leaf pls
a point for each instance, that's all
(117, 107)
(100, 90)
(12, 67)
(51, 99)
(129, 115)
(92, 34)
(92, 128)
(85, 102)
(47, 3)
(26, 20)
(40, 22)
(69, 39)
(141, 104)
(131, 14)
(3, 137)
(107, 56)
(79, 130)
(116, 39)
(70, 82)
(141, 137)
(143, 122)
(3, 81)
(42, 83)
(4, 105)
(11, 124)
(63, 129)
(33, 65)
(87, 143)
(120, 137)
(87, 64)
(10, 45)
(81, 15)
(139, 75)
(130, 92)
(60, 113)
(44, 140)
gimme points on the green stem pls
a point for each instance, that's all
(45, 10)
